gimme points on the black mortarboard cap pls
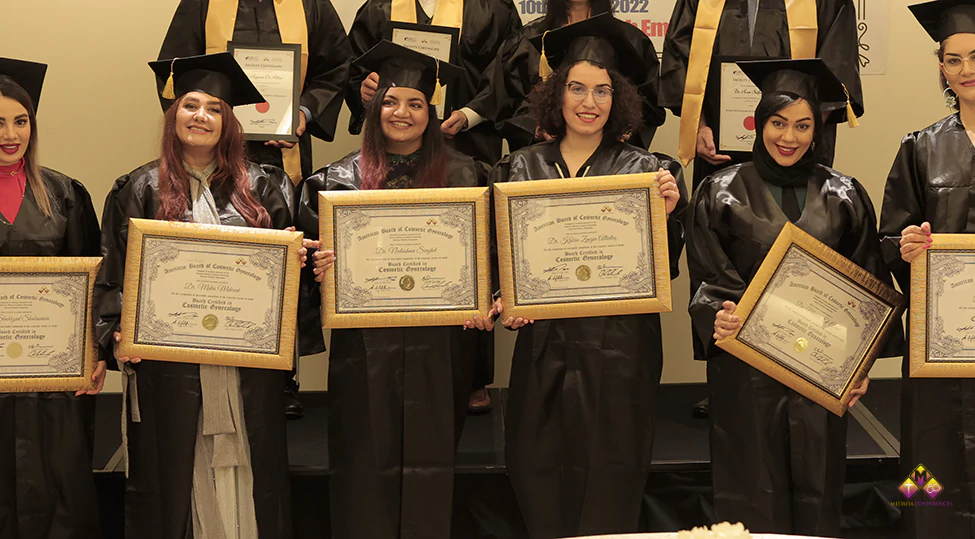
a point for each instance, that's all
(29, 75)
(401, 67)
(945, 17)
(808, 78)
(216, 74)
(601, 39)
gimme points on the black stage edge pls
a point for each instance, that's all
(677, 494)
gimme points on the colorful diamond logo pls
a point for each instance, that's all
(908, 488)
(921, 475)
(932, 488)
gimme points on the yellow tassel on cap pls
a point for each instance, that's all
(437, 98)
(544, 69)
(851, 117)
(168, 92)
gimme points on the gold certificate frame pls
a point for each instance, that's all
(574, 248)
(46, 339)
(210, 294)
(813, 320)
(943, 308)
(405, 257)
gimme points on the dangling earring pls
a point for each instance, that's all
(813, 145)
(951, 101)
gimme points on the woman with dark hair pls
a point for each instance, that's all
(580, 414)
(518, 67)
(206, 444)
(47, 489)
(929, 191)
(778, 459)
(397, 396)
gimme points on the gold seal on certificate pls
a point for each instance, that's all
(210, 294)
(46, 341)
(943, 308)
(405, 257)
(570, 248)
(813, 320)
(275, 72)
(739, 97)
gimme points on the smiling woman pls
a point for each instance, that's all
(202, 176)
(43, 436)
(777, 457)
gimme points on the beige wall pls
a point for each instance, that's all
(99, 118)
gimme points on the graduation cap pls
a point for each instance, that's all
(29, 75)
(945, 17)
(216, 74)
(600, 39)
(401, 67)
(809, 78)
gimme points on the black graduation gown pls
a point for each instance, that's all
(397, 400)
(932, 180)
(580, 415)
(510, 77)
(158, 490)
(487, 23)
(329, 56)
(47, 489)
(836, 43)
(778, 460)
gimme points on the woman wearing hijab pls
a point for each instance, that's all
(778, 459)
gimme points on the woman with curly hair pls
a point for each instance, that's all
(206, 444)
(583, 390)
(777, 458)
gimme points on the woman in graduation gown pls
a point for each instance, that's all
(749, 29)
(511, 76)
(397, 396)
(176, 488)
(778, 459)
(47, 489)
(928, 191)
(580, 415)
(483, 25)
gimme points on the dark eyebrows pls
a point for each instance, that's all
(958, 55)
(22, 116)
(783, 118)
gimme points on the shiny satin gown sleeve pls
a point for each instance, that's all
(366, 31)
(838, 46)
(677, 50)
(329, 58)
(311, 340)
(714, 278)
(82, 236)
(904, 205)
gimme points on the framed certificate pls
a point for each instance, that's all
(573, 248)
(943, 308)
(405, 257)
(813, 320)
(439, 42)
(210, 294)
(276, 72)
(734, 130)
(46, 340)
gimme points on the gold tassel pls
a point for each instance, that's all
(851, 117)
(544, 69)
(437, 98)
(168, 92)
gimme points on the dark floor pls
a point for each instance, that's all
(678, 492)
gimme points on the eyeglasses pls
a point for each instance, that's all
(600, 94)
(953, 64)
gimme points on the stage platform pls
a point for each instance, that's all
(677, 495)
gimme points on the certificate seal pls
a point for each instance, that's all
(210, 322)
(583, 273)
(406, 283)
(801, 344)
(14, 350)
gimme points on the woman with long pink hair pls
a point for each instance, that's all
(397, 396)
(185, 421)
